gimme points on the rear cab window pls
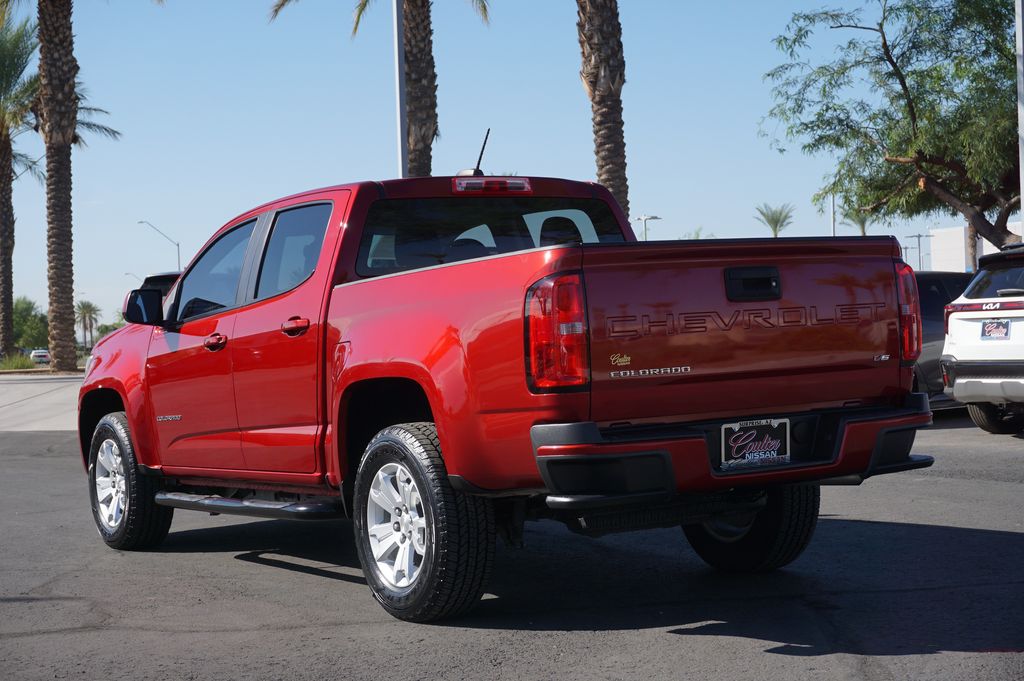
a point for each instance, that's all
(1001, 278)
(406, 234)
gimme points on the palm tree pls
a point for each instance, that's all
(58, 116)
(776, 218)
(604, 74)
(420, 74)
(17, 92)
(854, 217)
(88, 315)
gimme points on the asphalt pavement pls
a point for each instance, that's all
(910, 576)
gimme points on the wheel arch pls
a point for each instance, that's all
(94, 405)
(368, 406)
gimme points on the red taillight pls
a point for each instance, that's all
(556, 334)
(946, 311)
(910, 313)
(491, 185)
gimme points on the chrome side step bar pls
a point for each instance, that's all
(259, 508)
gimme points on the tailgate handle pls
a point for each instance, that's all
(752, 283)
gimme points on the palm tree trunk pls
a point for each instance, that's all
(58, 112)
(420, 85)
(6, 247)
(604, 74)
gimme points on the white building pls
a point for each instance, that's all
(949, 248)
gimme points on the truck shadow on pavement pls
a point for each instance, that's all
(868, 588)
(865, 588)
(951, 419)
(280, 544)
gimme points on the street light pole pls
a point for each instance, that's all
(833, 214)
(132, 274)
(644, 218)
(403, 121)
(920, 253)
(176, 244)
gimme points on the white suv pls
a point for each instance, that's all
(983, 358)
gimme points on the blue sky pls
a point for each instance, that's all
(221, 110)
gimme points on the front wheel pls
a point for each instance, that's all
(995, 419)
(426, 549)
(123, 506)
(773, 537)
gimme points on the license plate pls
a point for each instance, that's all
(995, 329)
(750, 444)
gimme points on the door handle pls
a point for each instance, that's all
(295, 326)
(215, 341)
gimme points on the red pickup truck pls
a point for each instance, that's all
(440, 359)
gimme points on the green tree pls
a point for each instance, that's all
(88, 315)
(603, 74)
(775, 218)
(698, 233)
(918, 107)
(30, 325)
(420, 74)
(854, 217)
(106, 329)
(17, 93)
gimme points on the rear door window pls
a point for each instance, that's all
(293, 249)
(999, 278)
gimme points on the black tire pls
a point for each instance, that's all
(461, 533)
(995, 419)
(144, 524)
(773, 538)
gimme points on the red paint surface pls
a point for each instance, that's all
(266, 406)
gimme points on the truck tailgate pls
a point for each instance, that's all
(715, 329)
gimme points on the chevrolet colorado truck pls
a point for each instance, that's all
(441, 359)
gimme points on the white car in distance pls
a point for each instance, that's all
(40, 356)
(983, 356)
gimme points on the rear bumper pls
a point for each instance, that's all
(584, 466)
(983, 381)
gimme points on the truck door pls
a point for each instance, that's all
(188, 369)
(277, 352)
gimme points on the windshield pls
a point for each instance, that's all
(1007, 277)
(405, 234)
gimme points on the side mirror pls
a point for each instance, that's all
(144, 306)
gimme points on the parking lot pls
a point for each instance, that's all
(916, 575)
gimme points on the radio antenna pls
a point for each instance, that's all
(477, 171)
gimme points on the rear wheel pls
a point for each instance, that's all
(426, 549)
(761, 541)
(995, 419)
(123, 506)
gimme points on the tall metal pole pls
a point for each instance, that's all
(403, 122)
(644, 218)
(176, 244)
(833, 214)
(920, 253)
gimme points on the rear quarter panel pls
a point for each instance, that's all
(457, 330)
